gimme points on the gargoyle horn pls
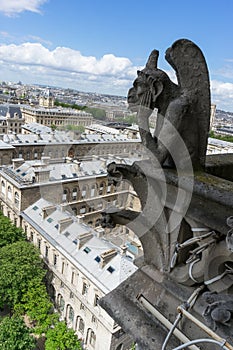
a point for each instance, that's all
(152, 62)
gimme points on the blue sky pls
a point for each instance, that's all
(98, 45)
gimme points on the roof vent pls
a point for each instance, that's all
(107, 256)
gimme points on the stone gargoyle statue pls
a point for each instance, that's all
(183, 108)
(179, 141)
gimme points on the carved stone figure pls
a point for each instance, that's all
(219, 309)
(182, 107)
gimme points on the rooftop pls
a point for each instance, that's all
(86, 257)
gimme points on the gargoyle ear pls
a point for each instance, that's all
(156, 89)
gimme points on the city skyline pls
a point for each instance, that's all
(98, 47)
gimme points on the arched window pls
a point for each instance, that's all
(9, 193)
(101, 188)
(93, 187)
(16, 199)
(60, 302)
(64, 196)
(91, 337)
(71, 314)
(80, 325)
(84, 191)
(3, 187)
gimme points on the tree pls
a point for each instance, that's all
(36, 304)
(8, 232)
(61, 338)
(15, 335)
(20, 263)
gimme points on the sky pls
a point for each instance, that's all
(98, 45)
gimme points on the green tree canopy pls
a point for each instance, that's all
(8, 232)
(35, 302)
(14, 335)
(20, 263)
(61, 338)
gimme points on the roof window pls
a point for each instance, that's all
(97, 258)
(110, 269)
(87, 250)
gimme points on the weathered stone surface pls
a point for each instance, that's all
(185, 218)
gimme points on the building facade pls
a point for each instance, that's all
(55, 116)
(84, 268)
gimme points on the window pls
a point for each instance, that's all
(82, 209)
(3, 187)
(84, 191)
(92, 338)
(81, 325)
(16, 199)
(54, 260)
(60, 302)
(9, 193)
(46, 251)
(64, 196)
(62, 267)
(74, 194)
(110, 269)
(72, 277)
(87, 250)
(97, 258)
(31, 236)
(101, 189)
(96, 300)
(85, 288)
(70, 313)
(39, 243)
(92, 190)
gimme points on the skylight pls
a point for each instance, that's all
(50, 220)
(110, 269)
(35, 207)
(97, 258)
(87, 250)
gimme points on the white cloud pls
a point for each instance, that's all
(222, 95)
(14, 7)
(64, 65)
(34, 63)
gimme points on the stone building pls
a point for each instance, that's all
(46, 99)
(84, 268)
(55, 116)
(35, 143)
(80, 187)
(11, 119)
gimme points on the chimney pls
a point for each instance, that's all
(64, 223)
(42, 175)
(83, 238)
(46, 211)
(45, 160)
(123, 250)
(17, 162)
(107, 256)
(99, 232)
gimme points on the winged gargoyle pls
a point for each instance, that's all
(179, 141)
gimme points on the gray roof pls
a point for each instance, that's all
(11, 109)
(107, 278)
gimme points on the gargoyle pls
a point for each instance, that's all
(183, 108)
(180, 139)
(219, 310)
